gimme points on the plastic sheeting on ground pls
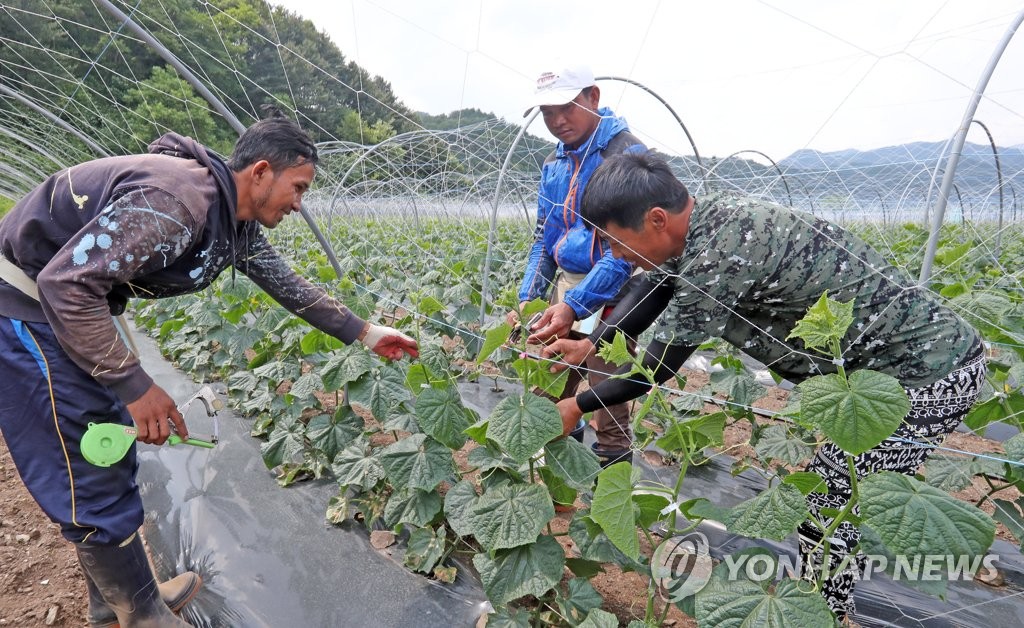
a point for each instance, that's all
(266, 554)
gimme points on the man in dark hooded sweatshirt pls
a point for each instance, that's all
(74, 250)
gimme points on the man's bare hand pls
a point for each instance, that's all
(571, 414)
(554, 324)
(572, 352)
(512, 318)
(153, 414)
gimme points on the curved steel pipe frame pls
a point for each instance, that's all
(958, 145)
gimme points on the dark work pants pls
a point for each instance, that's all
(46, 404)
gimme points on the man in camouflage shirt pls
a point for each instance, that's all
(746, 272)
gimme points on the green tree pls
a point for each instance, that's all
(164, 102)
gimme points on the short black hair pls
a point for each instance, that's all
(626, 186)
(275, 138)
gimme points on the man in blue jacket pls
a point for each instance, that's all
(568, 260)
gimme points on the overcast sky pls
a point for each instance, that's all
(771, 76)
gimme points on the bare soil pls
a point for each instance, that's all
(40, 582)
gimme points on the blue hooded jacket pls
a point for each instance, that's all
(562, 239)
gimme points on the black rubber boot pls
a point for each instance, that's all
(608, 458)
(121, 577)
(176, 593)
(100, 615)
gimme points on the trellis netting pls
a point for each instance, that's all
(426, 220)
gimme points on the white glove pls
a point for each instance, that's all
(375, 333)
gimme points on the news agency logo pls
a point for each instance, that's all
(681, 566)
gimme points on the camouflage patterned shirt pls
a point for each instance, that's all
(751, 270)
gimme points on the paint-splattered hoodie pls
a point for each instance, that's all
(150, 226)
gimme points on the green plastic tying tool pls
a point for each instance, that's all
(105, 444)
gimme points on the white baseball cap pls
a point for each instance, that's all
(561, 86)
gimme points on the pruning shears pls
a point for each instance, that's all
(105, 444)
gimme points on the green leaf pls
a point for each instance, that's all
(994, 410)
(478, 432)
(702, 508)
(523, 424)
(417, 461)
(914, 519)
(740, 388)
(353, 467)
(244, 381)
(857, 414)
(305, 386)
(580, 599)
(277, 371)
(243, 338)
(572, 461)
(402, 418)
(600, 619)
(511, 515)
(442, 416)
(1014, 447)
(776, 442)
(420, 377)
(594, 544)
(612, 508)
(337, 508)
(617, 351)
(458, 507)
(948, 473)
(532, 307)
(583, 568)
(806, 482)
(331, 434)
(648, 508)
(380, 392)
(1009, 514)
(509, 617)
(561, 493)
(287, 442)
(826, 321)
(738, 603)
(536, 374)
(488, 457)
(773, 514)
(412, 506)
(345, 366)
(526, 570)
(692, 434)
(493, 338)
(317, 340)
(429, 305)
(425, 549)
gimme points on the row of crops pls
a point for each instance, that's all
(409, 455)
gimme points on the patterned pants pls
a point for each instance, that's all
(935, 411)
